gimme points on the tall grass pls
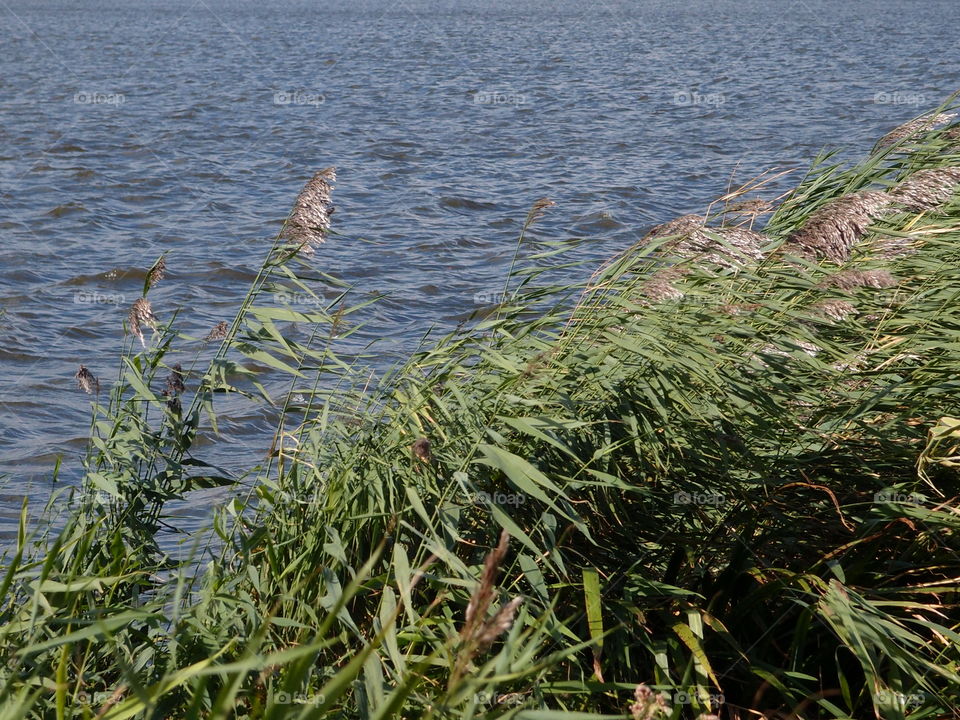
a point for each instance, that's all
(717, 477)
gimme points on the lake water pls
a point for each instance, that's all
(132, 128)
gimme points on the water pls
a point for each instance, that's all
(132, 128)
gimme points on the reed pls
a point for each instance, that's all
(715, 479)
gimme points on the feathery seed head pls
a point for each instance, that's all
(141, 314)
(538, 209)
(745, 243)
(893, 247)
(219, 332)
(309, 221)
(480, 601)
(852, 279)
(739, 308)
(953, 135)
(87, 381)
(837, 310)
(498, 624)
(158, 272)
(914, 127)
(478, 631)
(927, 189)
(727, 247)
(659, 287)
(660, 290)
(834, 229)
(421, 450)
(750, 206)
(681, 227)
(175, 384)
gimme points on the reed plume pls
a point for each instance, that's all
(479, 632)
(537, 210)
(739, 308)
(927, 189)
(682, 226)
(480, 600)
(677, 231)
(174, 389)
(87, 381)
(893, 247)
(421, 450)
(175, 384)
(659, 286)
(219, 332)
(727, 247)
(914, 127)
(157, 273)
(498, 624)
(747, 243)
(952, 134)
(141, 314)
(750, 206)
(837, 310)
(834, 229)
(811, 349)
(309, 223)
(852, 279)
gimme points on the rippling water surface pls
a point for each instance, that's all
(132, 128)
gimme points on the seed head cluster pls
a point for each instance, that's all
(140, 316)
(915, 127)
(834, 229)
(688, 237)
(927, 189)
(309, 223)
(87, 381)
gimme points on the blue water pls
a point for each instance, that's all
(132, 128)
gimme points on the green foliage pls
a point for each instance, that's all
(732, 500)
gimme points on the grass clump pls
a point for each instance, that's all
(717, 478)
